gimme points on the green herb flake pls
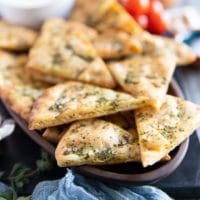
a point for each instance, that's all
(130, 80)
(31, 92)
(86, 58)
(114, 104)
(83, 57)
(102, 100)
(57, 59)
(60, 104)
(86, 156)
(106, 154)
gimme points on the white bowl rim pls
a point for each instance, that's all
(24, 4)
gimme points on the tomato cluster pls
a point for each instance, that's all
(148, 13)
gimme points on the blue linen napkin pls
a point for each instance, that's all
(76, 187)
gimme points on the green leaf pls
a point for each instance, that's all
(19, 176)
(1, 174)
(24, 198)
(15, 169)
(45, 163)
(8, 195)
(19, 169)
(19, 184)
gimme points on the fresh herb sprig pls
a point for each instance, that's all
(21, 175)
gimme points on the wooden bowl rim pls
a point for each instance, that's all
(108, 176)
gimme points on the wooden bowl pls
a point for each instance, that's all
(122, 174)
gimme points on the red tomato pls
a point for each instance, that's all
(142, 20)
(157, 23)
(156, 7)
(137, 7)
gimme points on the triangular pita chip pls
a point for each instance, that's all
(124, 120)
(54, 134)
(145, 76)
(111, 15)
(21, 98)
(112, 44)
(11, 68)
(95, 142)
(157, 45)
(82, 11)
(42, 76)
(15, 38)
(73, 101)
(161, 131)
(16, 88)
(67, 53)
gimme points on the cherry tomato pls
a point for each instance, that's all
(157, 23)
(137, 7)
(142, 20)
(156, 7)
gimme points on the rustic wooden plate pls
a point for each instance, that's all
(121, 174)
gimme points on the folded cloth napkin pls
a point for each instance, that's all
(6, 128)
(76, 187)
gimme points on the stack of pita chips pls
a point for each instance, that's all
(97, 85)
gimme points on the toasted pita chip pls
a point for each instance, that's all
(11, 68)
(111, 15)
(15, 38)
(157, 45)
(126, 121)
(89, 31)
(166, 158)
(120, 119)
(16, 89)
(95, 142)
(54, 134)
(112, 44)
(83, 9)
(161, 131)
(68, 54)
(21, 98)
(40, 76)
(145, 76)
(72, 101)
(59, 27)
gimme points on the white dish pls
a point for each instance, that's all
(33, 13)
